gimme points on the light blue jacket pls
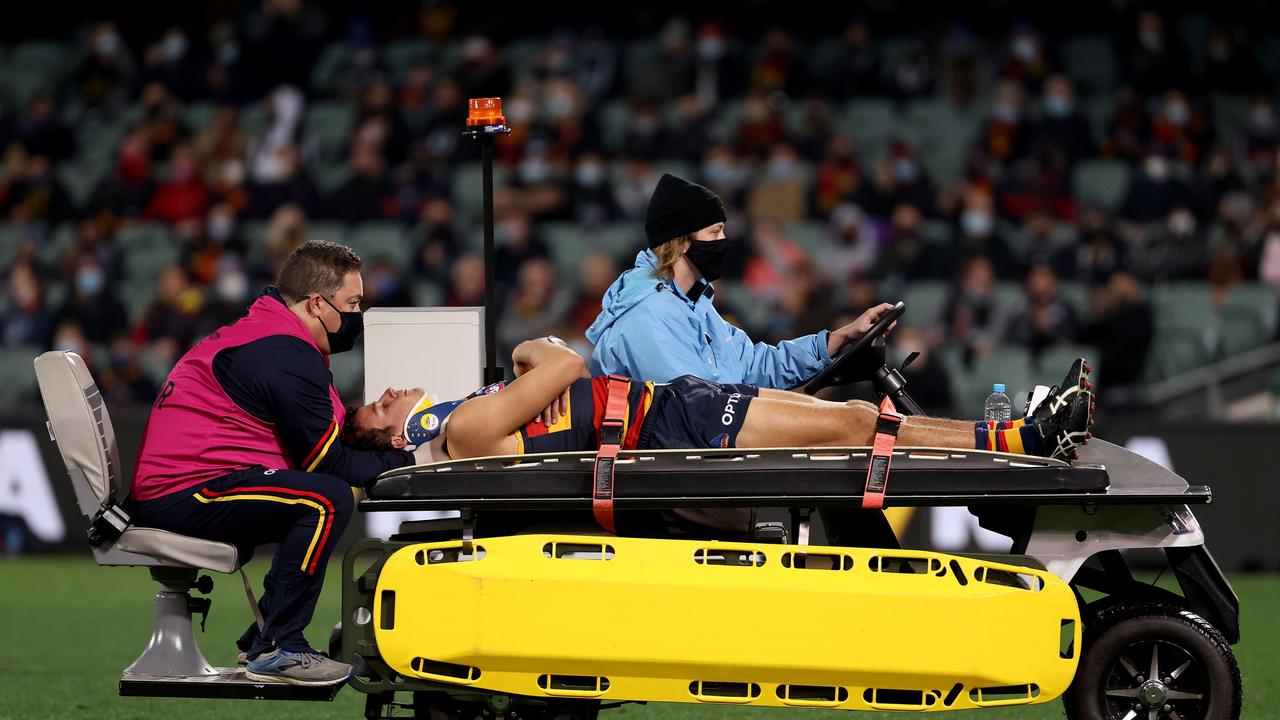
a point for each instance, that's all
(649, 330)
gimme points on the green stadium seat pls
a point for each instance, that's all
(426, 293)
(520, 55)
(613, 117)
(1011, 296)
(80, 180)
(1257, 300)
(568, 245)
(60, 240)
(254, 234)
(925, 300)
(19, 375)
(137, 295)
(47, 55)
(1101, 181)
(378, 240)
(143, 265)
(871, 123)
(324, 74)
(753, 312)
(329, 124)
(400, 55)
(1091, 62)
(809, 236)
(143, 235)
(1054, 361)
(1076, 294)
(939, 232)
(327, 230)
(468, 191)
(1009, 365)
(21, 85)
(619, 240)
(199, 114)
(1175, 350)
(11, 237)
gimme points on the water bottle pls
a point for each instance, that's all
(998, 406)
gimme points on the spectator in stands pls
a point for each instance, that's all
(70, 337)
(927, 379)
(106, 74)
(380, 117)
(26, 321)
(282, 40)
(851, 247)
(1171, 249)
(466, 284)
(227, 301)
(1129, 134)
(536, 307)
(725, 174)
(773, 257)
(360, 68)
(292, 185)
(1180, 130)
(839, 177)
(123, 380)
(126, 191)
(902, 179)
(973, 315)
(1100, 254)
(591, 191)
(366, 194)
(1155, 61)
(217, 241)
(1219, 175)
(595, 275)
(41, 132)
(914, 74)
(783, 191)
(482, 72)
(183, 195)
(814, 128)
(1122, 329)
(36, 195)
(437, 244)
(595, 65)
(907, 256)
(170, 62)
(517, 242)
(761, 126)
(1154, 190)
(226, 74)
(92, 303)
(668, 74)
(1231, 68)
(775, 66)
(980, 232)
(803, 304)
(692, 130)
(854, 67)
(636, 185)
(1039, 183)
(1027, 62)
(564, 128)
(161, 120)
(1006, 135)
(1061, 123)
(540, 183)
(1047, 319)
(385, 285)
(286, 230)
(222, 140)
(171, 316)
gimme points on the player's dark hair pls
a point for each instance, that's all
(316, 266)
(358, 437)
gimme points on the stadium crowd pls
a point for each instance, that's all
(1022, 188)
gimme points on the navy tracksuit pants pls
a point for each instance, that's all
(303, 513)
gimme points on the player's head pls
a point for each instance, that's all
(380, 425)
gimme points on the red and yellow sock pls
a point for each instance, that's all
(1016, 436)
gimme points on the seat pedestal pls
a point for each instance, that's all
(173, 666)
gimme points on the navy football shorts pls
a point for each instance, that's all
(690, 412)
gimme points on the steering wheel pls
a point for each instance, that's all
(850, 356)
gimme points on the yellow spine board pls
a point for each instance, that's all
(709, 622)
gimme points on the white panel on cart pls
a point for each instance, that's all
(440, 349)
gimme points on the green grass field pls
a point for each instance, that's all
(68, 627)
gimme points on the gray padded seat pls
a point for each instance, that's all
(81, 427)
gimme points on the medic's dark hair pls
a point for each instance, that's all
(316, 266)
(358, 437)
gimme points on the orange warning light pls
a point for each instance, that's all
(484, 112)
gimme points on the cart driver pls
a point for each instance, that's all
(688, 412)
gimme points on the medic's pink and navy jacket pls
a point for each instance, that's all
(256, 392)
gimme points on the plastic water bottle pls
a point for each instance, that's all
(998, 406)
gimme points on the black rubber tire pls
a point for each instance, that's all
(442, 706)
(1123, 624)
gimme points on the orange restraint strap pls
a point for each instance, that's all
(887, 426)
(615, 412)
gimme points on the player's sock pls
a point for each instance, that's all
(1020, 437)
(1006, 424)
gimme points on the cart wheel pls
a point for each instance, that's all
(1154, 662)
(440, 706)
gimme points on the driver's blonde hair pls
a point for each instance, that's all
(668, 254)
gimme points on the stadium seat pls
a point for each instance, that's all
(925, 300)
(468, 194)
(426, 293)
(1248, 318)
(348, 373)
(19, 384)
(328, 124)
(736, 298)
(568, 245)
(1101, 182)
(81, 427)
(809, 236)
(375, 240)
(1053, 361)
(324, 74)
(142, 235)
(1009, 365)
(327, 230)
(400, 55)
(1091, 62)
(871, 123)
(620, 240)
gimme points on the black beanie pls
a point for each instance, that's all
(679, 207)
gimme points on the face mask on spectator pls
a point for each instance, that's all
(905, 170)
(221, 227)
(1156, 167)
(232, 287)
(710, 49)
(68, 342)
(1261, 119)
(1177, 113)
(589, 174)
(174, 47)
(534, 170)
(782, 169)
(1005, 112)
(559, 106)
(1025, 48)
(89, 281)
(977, 223)
(107, 44)
(228, 53)
(1058, 105)
(718, 172)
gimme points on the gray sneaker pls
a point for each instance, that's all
(298, 668)
(242, 658)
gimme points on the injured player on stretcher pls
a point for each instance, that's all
(554, 406)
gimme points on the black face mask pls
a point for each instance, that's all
(708, 256)
(349, 329)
